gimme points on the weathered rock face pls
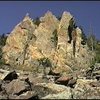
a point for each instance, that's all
(16, 86)
(52, 43)
(18, 41)
(44, 33)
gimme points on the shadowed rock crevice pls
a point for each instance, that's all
(70, 29)
(12, 75)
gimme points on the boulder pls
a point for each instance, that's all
(63, 80)
(53, 87)
(42, 90)
(62, 95)
(53, 91)
(17, 87)
(84, 89)
(36, 79)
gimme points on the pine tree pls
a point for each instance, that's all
(91, 40)
(83, 36)
(3, 38)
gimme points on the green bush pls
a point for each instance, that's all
(45, 62)
(84, 38)
(97, 51)
(3, 38)
(37, 21)
(54, 38)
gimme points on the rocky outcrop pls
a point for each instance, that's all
(52, 45)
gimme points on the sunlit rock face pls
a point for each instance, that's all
(53, 43)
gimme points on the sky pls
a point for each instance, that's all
(86, 13)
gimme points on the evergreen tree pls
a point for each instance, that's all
(97, 51)
(91, 41)
(84, 38)
(3, 38)
(37, 21)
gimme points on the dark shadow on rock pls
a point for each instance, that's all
(12, 75)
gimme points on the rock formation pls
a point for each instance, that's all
(31, 86)
(47, 45)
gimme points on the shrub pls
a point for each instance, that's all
(37, 21)
(83, 36)
(54, 38)
(3, 38)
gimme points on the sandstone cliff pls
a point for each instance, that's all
(53, 44)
